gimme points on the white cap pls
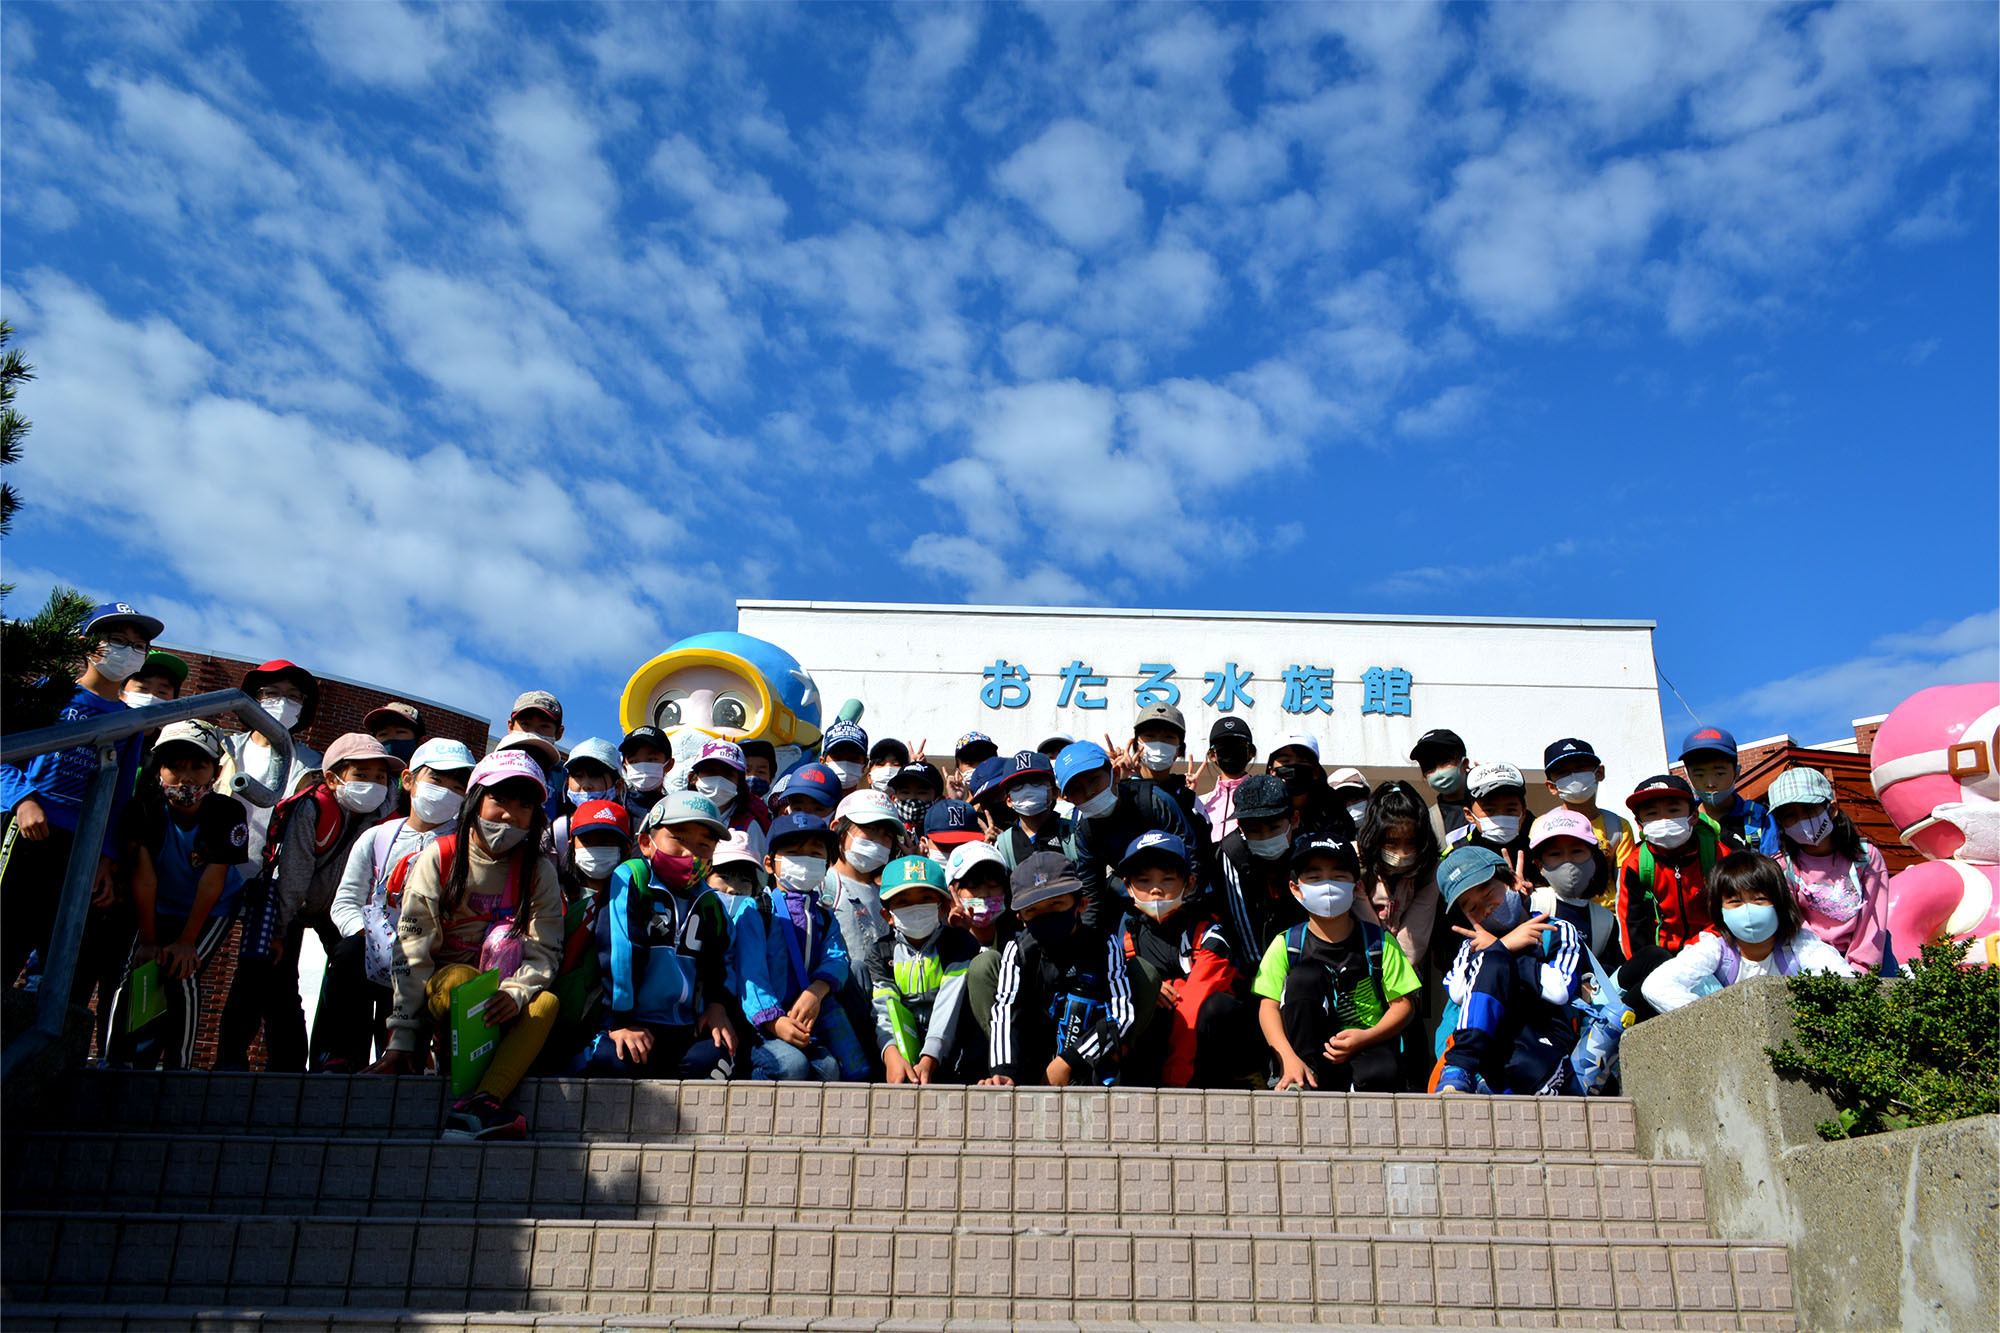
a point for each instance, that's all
(549, 752)
(969, 854)
(1295, 738)
(1346, 777)
(1489, 778)
(867, 806)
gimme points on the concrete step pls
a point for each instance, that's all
(867, 1272)
(615, 1111)
(1316, 1190)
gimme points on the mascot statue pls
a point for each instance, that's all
(728, 685)
(1937, 771)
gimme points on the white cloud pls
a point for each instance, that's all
(1073, 179)
(384, 43)
(546, 150)
(1445, 414)
(501, 350)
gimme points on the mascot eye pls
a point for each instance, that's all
(730, 712)
(667, 712)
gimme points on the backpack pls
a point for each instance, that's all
(261, 905)
(501, 948)
(1707, 839)
(1732, 961)
(1372, 937)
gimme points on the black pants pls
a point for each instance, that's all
(168, 1041)
(266, 995)
(353, 1012)
(1509, 1035)
(1632, 976)
(1227, 1048)
(31, 880)
(108, 935)
(1310, 1017)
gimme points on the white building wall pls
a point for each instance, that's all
(1509, 687)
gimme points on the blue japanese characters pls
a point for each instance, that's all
(1307, 688)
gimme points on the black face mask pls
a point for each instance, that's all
(1232, 758)
(1298, 778)
(402, 749)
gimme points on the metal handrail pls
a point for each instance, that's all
(102, 733)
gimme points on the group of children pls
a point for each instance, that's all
(1074, 914)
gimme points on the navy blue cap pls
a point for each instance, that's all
(646, 736)
(950, 822)
(1709, 738)
(112, 614)
(1023, 764)
(816, 781)
(889, 748)
(1572, 748)
(794, 827)
(841, 733)
(1467, 867)
(1324, 844)
(986, 777)
(1077, 758)
(1156, 844)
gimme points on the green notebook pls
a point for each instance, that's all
(472, 1037)
(145, 1000)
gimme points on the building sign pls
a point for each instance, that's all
(1305, 688)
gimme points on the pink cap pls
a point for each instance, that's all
(729, 752)
(1560, 824)
(735, 850)
(501, 765)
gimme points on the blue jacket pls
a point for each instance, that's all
(1760, 830)
(57, 780)
(770, 949)
(660, 962)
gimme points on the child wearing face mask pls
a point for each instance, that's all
(290, 694)
(844, 750)
(719, 773)
(916, 790)
(1230, 749)
(1709, 756)
(481, 897)
(354, 999)
(1295, 761)
(1662, 899)
(1839, 880)
(1574, 771)
(592, 771)
(792, 961)
(1159, 741)
(870, 835)
(916, 979)
(1192, 1027)
(187, 845)
(44, 798)
(1108, 818)
(1440, 756)
(977, 875)
(1499, 812)
(1028, 790)
(1760, 935)
(311, 838)
(1510, 1024)
(1574, 872)
(600, 840)
(1256, 888)
(1350, 793)
(1335, 992)
(1062, 1008)
(886, 758)
(645, 756)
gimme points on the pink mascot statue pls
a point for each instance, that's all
(1937, 772)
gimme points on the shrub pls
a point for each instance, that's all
(1919, 1050)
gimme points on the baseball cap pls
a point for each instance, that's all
(1024, 765)
(754, 748)
(277, 669)
(550, 752)
(496, 768)
(1799, 786)
(951, 822)
(1440, 745)
(734, 850)
(395, 713)
(598, 751)
(1346, 777)
(1487, 779)
(1162, 712)
(645, 736)
(202, 735)
(1571, 748)
(1709, 738)
(1298, 738)
(1040, 877)
(911, 872)
(1229, 728)
(867, 806)
(787, 829)
(969, 854)
(1661, 784)
(158, 663)
(816, 782)
(444, 755)
(972, 740)
(353, 747)
(597, 816)
(919, 772)
(1155, 845)
(1324, 844)
(986, 778)
(1466, 868)
(888, 749)
(540, 701)
(1560, 824)
(1053, 744)
(1078, 758)
(685, 807)
(1262, 796)
(725, 752)
(844, 732)
(110, 615)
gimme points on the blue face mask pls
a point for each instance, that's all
(758, 786)
(1752, 923)
(1511, 912)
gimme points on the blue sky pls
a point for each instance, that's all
(469, 349)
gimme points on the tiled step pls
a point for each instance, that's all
(866, 1272)
(159, 1319)
(1463, 1192)
(617, 1111)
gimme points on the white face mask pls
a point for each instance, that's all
(1806, 832)
(880, 778)
(284, 711)
(645, 777)
(434, 804)
(1571, 879)
(1158, 756)
(801, 874)
(1577, 786)
(1398, 860)
(846, 770)
(119, 661)
(1668, 833)
(1269, 849)
(1099, 805)
(595, 863)
(720, 790)
(1499, 828)
(500, 838)
(139, 699)
(1356, 810)
(1327, 897)
(1159, 910)
(867, 855)
(361, 797)
(917, 922)
(1032, 798)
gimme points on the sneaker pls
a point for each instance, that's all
(481, 1116)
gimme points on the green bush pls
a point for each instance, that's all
(1894, 1054)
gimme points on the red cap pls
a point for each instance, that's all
(279, 669)
(601, 815)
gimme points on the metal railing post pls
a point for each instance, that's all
(73, 908)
